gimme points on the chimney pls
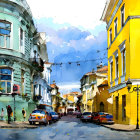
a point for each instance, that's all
(99, 66)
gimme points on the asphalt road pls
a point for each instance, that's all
(68, 128)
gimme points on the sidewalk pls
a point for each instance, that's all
(121, 127)
(4, 124)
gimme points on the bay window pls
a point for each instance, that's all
(5, 30)
(117, 67)
(122, 16)
(22, 41)
(110, 33)
(115, 26)
(123, 62)
(5, 80)
(111, 71)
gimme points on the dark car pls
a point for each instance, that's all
(55, 116)
(86, 116)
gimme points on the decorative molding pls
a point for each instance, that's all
(122, 46)
(128, 18)
(116, 81)
(135, 81)
(110, 59)
(123, 78)
(117, 87)
(115, 53)
(114, 13)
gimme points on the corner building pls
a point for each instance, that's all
(18, 37)
(123, 27)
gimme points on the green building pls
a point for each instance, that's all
(18, 67)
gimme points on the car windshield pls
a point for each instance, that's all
(101, 113)
(53, 113)
(87, 113)
(38, 111)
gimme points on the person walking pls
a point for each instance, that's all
(24, 114)
(2, 114)
(9, 112)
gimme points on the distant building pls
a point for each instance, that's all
(94, 89)
(71, 101)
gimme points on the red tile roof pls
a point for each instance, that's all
(103, 69)
(53, 86)
(48, 63)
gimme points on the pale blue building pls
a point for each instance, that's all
(22, 56)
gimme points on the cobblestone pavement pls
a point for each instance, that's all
(67, 128)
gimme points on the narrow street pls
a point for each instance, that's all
(67, 128)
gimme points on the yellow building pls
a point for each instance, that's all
(71, 101)
(95, 91)
(86, 90)
(55, 96)
(123, 28)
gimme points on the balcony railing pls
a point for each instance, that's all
(37, 63)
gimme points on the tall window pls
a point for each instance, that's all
(22, 81)
(5, 30)
(117, 68)
(21, 40)
(5, 80)
(110, 35)
(117, 107)
(115, 26)
(123, 62)
(124, 107)
(111, 71)
(37, 90)
(122, 16)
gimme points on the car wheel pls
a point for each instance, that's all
(98, 121)
(48, 122)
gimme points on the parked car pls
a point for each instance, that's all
(102, 117)
(86, 116)
(40, 116)
(78, 114)
(55, 116)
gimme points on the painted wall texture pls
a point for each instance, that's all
(122, 18)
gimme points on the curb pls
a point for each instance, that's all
(124, 130)
(19, 127)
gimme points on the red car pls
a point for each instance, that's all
(101, 117)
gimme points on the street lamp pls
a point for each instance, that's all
(129, 85)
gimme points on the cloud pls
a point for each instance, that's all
(78, 13)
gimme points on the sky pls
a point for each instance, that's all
(74, 34)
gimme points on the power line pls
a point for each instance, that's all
(80, 61)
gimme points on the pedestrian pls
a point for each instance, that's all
(9, 112)
(2, 114)
(24, 114)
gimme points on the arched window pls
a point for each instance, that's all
(101, 107)
(5, 80)
(5, 30)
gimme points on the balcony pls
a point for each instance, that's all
(38, 64)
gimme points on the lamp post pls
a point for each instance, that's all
(137, 88)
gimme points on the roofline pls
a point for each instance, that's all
(107, 5)
(104, 11)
